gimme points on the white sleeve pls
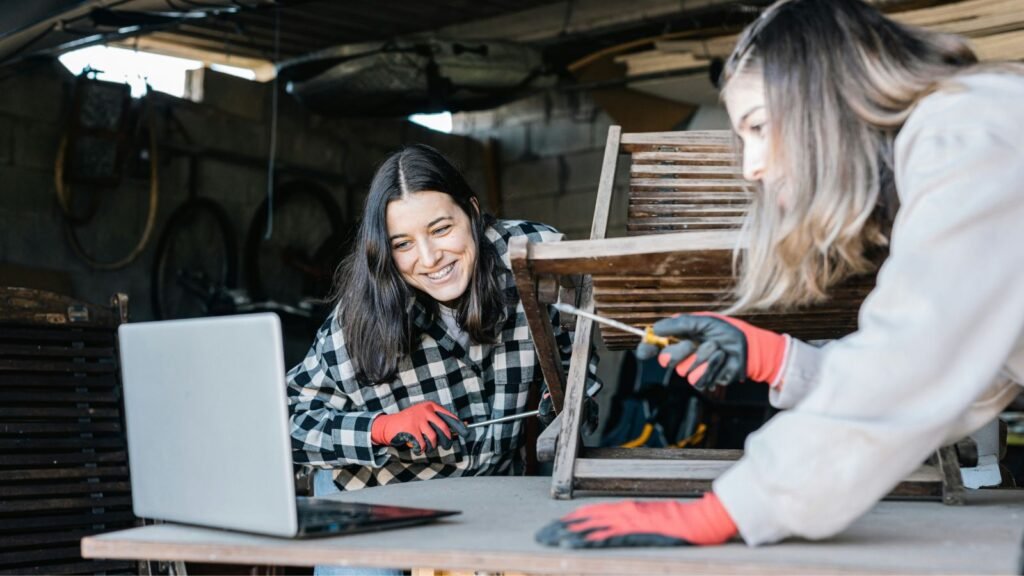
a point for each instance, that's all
(799, 373)
(934, 334)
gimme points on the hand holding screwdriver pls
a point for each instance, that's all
(422, 427)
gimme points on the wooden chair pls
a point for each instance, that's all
(686, 203)
(63, 457)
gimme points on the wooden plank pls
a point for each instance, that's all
(662, 454)
(708, 184)
(99, 396)
(54, 351)
(694, 139)
(519, 249)
(46, 444)
(83, 381)
(65, 488)
(111, 517)
(48, 412)
(548, 440)
(40, 366)
(22, 333)
(723, 158)
(58, 504)
(63, 473)
(118, 457)
(606, 183)
(569, 440)
(891, 538)
(686, 172)
(82, 567)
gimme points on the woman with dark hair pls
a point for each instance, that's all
(428, 334)
(867, 141)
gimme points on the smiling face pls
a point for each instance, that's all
(432, 244)
(748, 112)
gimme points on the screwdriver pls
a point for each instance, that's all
(647, 335)
(594, 388)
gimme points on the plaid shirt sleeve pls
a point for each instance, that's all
(328, 427)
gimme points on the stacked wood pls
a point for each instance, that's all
(995, 29)
(63, 456)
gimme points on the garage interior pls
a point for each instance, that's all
(242, 191)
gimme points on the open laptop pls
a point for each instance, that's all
(208, 432)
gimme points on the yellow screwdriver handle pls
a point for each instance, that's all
(660, 341)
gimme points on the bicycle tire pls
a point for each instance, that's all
(170, 299)
(305, 217)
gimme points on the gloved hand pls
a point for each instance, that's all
(727, 350)
(591, 413)
(630, 523)
(424, 426)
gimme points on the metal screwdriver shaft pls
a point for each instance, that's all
(647, 335)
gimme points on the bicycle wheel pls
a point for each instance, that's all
(196, 261)
(290, 266)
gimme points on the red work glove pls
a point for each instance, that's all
(424, 426)
(718, 350)
(631, 523)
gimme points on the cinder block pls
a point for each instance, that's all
(234, 95)
(26, 191)
(6, 138)
(39, 89)
(532, 179)
(576, 208)
(543, 209)
(560, 136)
(35, 143)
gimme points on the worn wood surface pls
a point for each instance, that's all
(501, 514)
(569, 437)
(606, 184)
(538, 320)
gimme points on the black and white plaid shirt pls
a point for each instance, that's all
(331, 412)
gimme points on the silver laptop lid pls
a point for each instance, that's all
(207, 422)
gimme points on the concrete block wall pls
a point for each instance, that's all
(551, 148)
(233, 118)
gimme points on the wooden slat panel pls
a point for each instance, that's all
(695, 140)
(50, 412)
(64, 473)
(46, 504)
(79, 567)
(687, 172)
(60, 444)
(711, 158)
(106, 488)
(21, 333)
(38, 351)
(99, 396)
(704, 184)
(90, 381)
(44, 366)
(111, 516)
(63, 459)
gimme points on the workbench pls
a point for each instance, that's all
(501, 514)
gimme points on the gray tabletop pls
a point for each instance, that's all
(501, 514)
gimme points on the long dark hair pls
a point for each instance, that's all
(374, 302)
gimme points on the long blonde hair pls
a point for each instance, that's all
(840, 80)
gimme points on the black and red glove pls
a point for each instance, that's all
(718, 350)
(422, 426)
(632, 523)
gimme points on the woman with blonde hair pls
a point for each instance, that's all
(868, 141)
